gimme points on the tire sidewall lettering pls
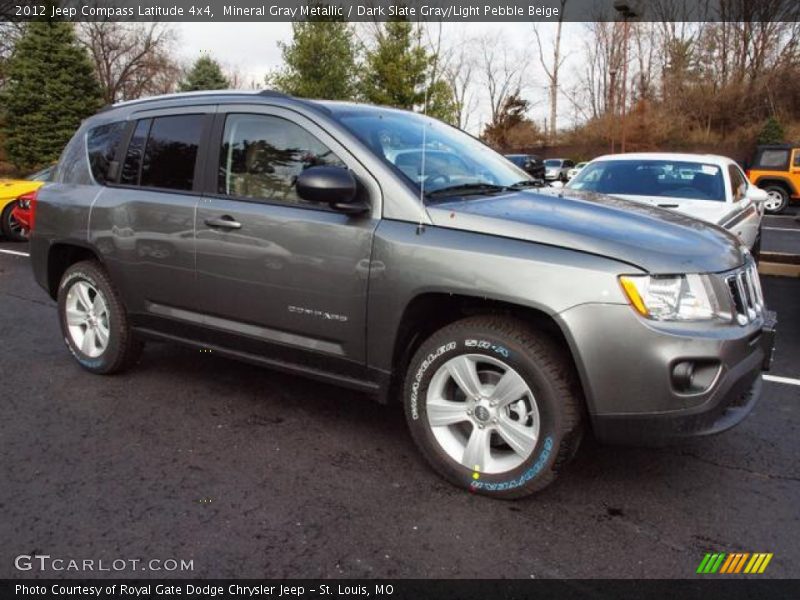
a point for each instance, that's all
(546, 449)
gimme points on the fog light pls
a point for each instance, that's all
(694, 376)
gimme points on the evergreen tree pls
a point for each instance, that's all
(398, 71)
(205, 74)
(320, 61)
(50, 88)
(772, 133)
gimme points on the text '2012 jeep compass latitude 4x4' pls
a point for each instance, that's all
(389, 252)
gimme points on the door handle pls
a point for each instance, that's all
(225, 222)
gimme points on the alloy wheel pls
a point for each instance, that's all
(482, 413)
(87, 318)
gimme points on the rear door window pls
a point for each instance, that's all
(132, 166)
(171, 152)
(773, 159)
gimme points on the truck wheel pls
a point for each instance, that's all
(777, 199)
(93, 320)
(11, 228)
(494, 406)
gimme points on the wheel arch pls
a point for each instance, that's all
(784, 182)
(61, 256)
(430, 311)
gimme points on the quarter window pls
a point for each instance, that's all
(171, 151)
(102, 144)
(262, 156)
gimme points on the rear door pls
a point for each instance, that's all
(143, 222)
(289, 275)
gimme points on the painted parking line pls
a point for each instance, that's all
(13, 252)
(794, 229)
(786, 380)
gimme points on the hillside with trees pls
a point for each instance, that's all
(575, 89)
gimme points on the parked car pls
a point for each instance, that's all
(556, 169)
(508, 322)
(575, 170)
(10, 190)
(22, 213)
(776, 169)
(530, 163)
(707, 187)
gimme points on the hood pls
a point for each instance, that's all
(657, 240)
(706, 210)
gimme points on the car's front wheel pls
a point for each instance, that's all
(494, 406)
(777, 199)
(93, 320)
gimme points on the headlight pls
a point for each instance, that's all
(674, 297)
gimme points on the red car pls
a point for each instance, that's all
(23, 212)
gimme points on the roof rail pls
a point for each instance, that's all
(177, 96)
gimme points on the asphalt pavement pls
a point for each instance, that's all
(251, 473)
(781, 233)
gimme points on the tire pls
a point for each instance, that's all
(546, 391)
(91, 322)
(778, 200)
(10, 227)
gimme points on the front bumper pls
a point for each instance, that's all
(629, 379)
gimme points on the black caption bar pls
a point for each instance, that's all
(408, 589)
(415, 10)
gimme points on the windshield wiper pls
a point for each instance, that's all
(467, 189)
(526, 183)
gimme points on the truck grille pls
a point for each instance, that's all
(746, 295)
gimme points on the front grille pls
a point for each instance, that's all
(747, 299)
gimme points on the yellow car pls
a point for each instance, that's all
(10, 190)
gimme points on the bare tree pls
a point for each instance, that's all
(131, 59)
(460, 70)
(551, 69)
(9, 34)
(501, 70)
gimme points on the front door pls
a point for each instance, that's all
(270, 266)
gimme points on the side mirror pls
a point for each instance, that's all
(557, 184)
(756, 194)
(334, 186)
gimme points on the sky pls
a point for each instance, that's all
(252, 50)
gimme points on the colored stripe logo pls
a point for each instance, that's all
(734, 563)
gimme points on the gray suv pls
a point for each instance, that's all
(388, 252)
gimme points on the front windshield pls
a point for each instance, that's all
(451, 158)
(662, 178)
(552, 163)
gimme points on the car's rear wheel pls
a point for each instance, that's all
(494, 406)
(11, 228)
(777, 199)
(94, 321)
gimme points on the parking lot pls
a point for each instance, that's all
(252, 473)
